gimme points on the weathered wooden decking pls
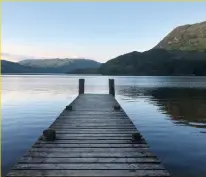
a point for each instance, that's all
(92, 140)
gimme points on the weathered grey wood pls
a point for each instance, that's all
(31, 160)
(98, 121)
(89, 124)
(94, 117)
(92, 131)
(92, 139)
(98, 128)
(89, 173)
(91, 166)
(89, 154)
(89, 114)
(117, 135)
(57, 145)
(92, 126)
(111, 87)
(98, 113)
(90, 149)
(83, 141)
(81, 86)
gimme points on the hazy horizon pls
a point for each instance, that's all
(97, 31)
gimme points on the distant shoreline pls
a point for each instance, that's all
(46, 74)
(3, 74)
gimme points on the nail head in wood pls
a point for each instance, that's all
(69, 108)
(49, 134)
(117, 107)
(136, 136)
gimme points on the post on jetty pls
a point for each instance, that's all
(92, 137)
(111, 87)
(81, 86)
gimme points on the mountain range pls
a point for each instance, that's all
(181, 52)
(47, 65)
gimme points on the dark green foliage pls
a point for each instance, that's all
(157, 62)
(187, 37)
(60, 65)
(11, 67)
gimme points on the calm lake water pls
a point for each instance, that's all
(169, 111)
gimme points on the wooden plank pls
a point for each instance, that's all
(59, 137)
(89, 173)
(97, 110)
(94, 116)
(83, 141)
(89, 154)
(89, 149)
(54, 145)
(91, 123)
(101, 115)
(93, 112)
(93, 131)
(92, 126)
(86, 115)
(88, 124)
(95, 119)
(87, 121)
(90, 166)
(97, 128)
(88, 160)
(117, 135)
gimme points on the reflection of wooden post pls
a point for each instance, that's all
(111, 87)
(81, 86)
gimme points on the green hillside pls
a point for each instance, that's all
(60, 65)
(157, 62)
(187, 37)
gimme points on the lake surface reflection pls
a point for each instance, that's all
(169, 111)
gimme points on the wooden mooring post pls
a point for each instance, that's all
(81, 86)
(111, 87)
(92, 137)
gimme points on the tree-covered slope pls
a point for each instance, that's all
(11, 67)
(60, 65)
(157, 62)
(187, 37)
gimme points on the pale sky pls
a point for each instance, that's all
(98, 31)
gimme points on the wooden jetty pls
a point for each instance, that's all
(93, 136)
